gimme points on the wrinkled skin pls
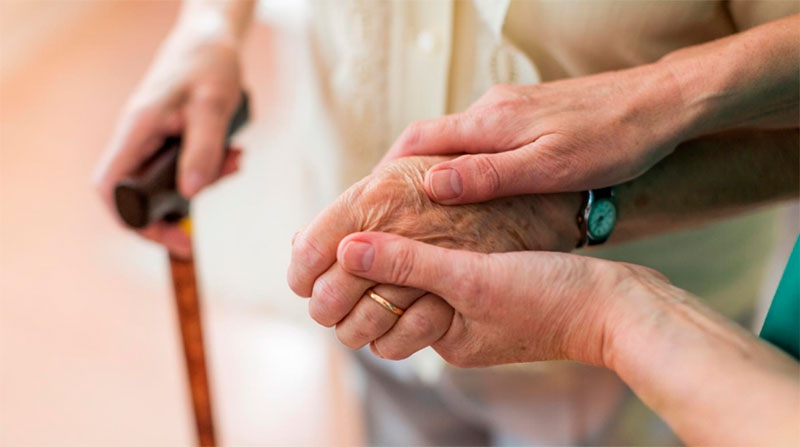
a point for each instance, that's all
(684, 360)
(512, 307)
(567, 135)
(393, 200)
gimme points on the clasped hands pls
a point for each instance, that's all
(518, 139)
(430, 266)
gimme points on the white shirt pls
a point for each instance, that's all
(384, 64)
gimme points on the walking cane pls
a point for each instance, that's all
(149, 195)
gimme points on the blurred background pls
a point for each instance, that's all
(89, 344)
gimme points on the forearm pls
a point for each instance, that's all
(747, 80)
(228, 19)
(709, 178)
(712, 381)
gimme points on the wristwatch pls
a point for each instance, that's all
(597, 216)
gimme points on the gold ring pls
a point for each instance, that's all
(385, 303)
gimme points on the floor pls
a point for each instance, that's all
(89, 349)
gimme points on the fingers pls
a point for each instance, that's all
(369, 320)
(531, 169)
(207, 115)
(138, 134)
(391, 259)
(422, 325)
(450, 134)
(232, 162)
(334, 295)
(314, 248)
(478, 178)
(175, 239)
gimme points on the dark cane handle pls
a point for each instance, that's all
(150, 193)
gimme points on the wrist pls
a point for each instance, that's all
(699, 95)
(564, 210)
(660, 103)
(632, 316)
(607, 317)
(208, 31)
(215, 22)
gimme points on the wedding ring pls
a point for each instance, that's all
(384, 302)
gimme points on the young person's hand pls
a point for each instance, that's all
(608, 128)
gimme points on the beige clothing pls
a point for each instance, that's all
(384, 64)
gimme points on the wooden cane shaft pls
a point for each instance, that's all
(188, 305)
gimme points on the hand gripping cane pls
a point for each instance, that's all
(149, 195)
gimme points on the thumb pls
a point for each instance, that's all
(539, 167)
(391, 259)
(481, 177)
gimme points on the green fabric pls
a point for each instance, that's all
(782, 325)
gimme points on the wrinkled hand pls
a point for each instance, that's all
(193, 88)
(392, 200)
(683, 360)
(510, 307)
(568, 135)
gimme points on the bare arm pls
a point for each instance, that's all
(750, 79)
(609, 128)
(712, 381)
(710, 178)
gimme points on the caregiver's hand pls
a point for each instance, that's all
(608, 128)
(392, 200)
(568, 135)
(193, 87)
(711, 380)
(509, 307)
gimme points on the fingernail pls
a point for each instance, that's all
(194, 181)
(445, 184)
(358, 256)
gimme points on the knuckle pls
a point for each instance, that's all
(296, 283)
(420, 325)
(412, 135)
(401, 266)
(347, 339)
(489, 181)
(370, 325)
(327, 303)
(391, 351)
(305, 252)
(211, 99)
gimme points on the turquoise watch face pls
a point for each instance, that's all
(602, 218)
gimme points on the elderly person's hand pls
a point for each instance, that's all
(392, 200)
(192, 88)
(684, 360)
(605, 129)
